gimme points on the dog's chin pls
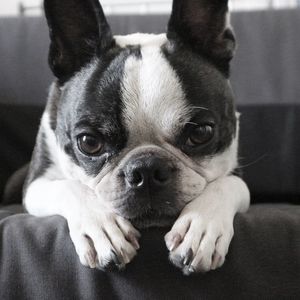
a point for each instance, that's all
(146, 212)
(153, 218)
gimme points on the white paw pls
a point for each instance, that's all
(198, 242)
(104, 240)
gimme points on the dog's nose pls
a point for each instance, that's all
(147, 172)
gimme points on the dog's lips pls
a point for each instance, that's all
(153, 218)
(147, 209)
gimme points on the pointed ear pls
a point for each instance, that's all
(202, 24)
(78, 32)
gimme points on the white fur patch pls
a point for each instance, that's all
(152, 95)
(202, 233)
(142, 39)
(99, 235)
(64, 168)
(224, 163)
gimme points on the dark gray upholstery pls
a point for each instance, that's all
(266, 68)
(37, 259)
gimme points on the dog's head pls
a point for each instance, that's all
(144, 120)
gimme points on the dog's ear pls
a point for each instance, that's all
(78, 32)
(202, 24)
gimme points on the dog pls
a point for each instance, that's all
(140, 131)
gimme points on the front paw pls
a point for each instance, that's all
(199, 243)
(105, 241)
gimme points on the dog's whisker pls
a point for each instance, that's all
(200, 107)
(192, 123)
(253, 162)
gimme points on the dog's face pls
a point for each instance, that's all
(144, 120)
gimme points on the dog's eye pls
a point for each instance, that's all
(200, 135)
(89, 145)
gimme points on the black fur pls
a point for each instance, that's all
(205, 87)
(200, 24)
(78, 31)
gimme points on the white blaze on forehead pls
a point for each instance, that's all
(152, 95)
(142, 39)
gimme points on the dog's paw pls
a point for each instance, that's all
(104, 240)
(199, 243)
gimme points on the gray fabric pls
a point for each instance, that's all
(38, 261)
(24, 76)
(9, 210)
(266, 68)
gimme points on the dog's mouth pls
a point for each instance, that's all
(148, 210)
(153, 218)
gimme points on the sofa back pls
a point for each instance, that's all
(265, 78)
(265, 69)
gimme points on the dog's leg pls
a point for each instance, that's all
(200, 238)
(102, 239)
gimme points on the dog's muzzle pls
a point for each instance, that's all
(149, 181)
(148, 174)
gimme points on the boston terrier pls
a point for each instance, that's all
(140, 131)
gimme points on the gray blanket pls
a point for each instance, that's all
(38, 261)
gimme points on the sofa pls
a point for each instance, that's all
(37, 258)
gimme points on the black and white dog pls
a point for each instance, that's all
(139, 131)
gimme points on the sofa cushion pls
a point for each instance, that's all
(38, 261)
